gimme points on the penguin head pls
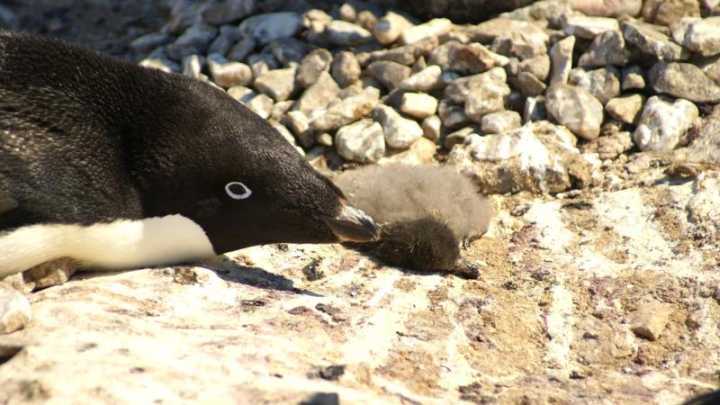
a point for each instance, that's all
(241, 181)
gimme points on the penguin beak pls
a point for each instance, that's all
(353, 225)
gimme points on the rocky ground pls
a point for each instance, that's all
(592, 126)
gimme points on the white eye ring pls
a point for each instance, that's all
(238, 196)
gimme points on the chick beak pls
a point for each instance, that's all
(353, 225)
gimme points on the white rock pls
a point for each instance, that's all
(625, 109)
(192, 66)
(362, 141)
(343, 33)
(389, 28)
(500, 122)
(228, 74)
(431, 128)
(432, 28)
(400, 132)
(561, 56)
(278, 84)
(265, 28)
(663, 123)
(576, 108)
(346, 111)
(425, 80)
(241, 94)
(418, 105)
(261, 105)
(589, 27)
(15, 310)
(703, 36)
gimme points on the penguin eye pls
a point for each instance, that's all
(237, 190)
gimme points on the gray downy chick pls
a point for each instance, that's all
(425, 212)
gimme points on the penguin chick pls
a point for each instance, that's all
(426, 212)
(118, 166)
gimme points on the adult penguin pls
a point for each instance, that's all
(118, 166)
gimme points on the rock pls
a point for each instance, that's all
(15, 310)
(148, 42)
(606, 49)
(575, 108)
(684, 80)
(431, 128)
(265, 28)
(319, 95)
(225, 39)
(192, 66)
(314, 63)
(280, 109)
(612, 146)
(389, 28)
(8, 19)
(452, 115)
(530, 38)
(288, 52)
(286, 134)
(400, 132)
(604, 84)
(528, 84)
(650, 319)
(561, 56)
(426, 80)
(406, 55)
(422, 152)
(460, 11)
(418, 105)
(390, 74)
(160, 64)
(534, 109)
(651, 41)
(663, 123)
(482, 93)
(537, 157)
(241, 94)
(522, 45)
(346, 111)
(362, 141)
(278, 84)
(500, 122)
(343, 33)
(194, 40)
(466, 58)
(345, 68)
(538, 66)
(432, 28)
(228, 74)
(668, 12)
(227, 11)
(589, 27)
(261, 105)
(703, 36)
(608, 8)
(261, 63)
(633, 78)
(242, 48)
(299, 124)
(458, 137)
(625, 109)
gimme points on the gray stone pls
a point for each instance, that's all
(432, 28)
(426, 80)
(289, 52)
(663, 123)
(501, 122)
(242, 48)
(614, 145)
(148, 42)
(346, 111)
(606, 49)
(589, 27)
(684, 80)
(575, 108)
(534, 109)
(345, 68)
(405, 55)
(194, 40)
(265, 28)
(458, 137)
(528, 84)
(314, 63)
(226, 38)
(538, 66)
(482, 93)
(625, 109)
(299, 124)
(15, 310)
(561, 56)
(603, 83)
(418, 105)
(668, 12)
(650, 40)
(318, 95)
(161, 64)
(452, 115)
(390, 74)
(192, 66)
(241, 94)
(261, 63)
(362, 141)
(608, 8)
(278, 84)
(228, 74)
(400, 132)
(343, 33)
(227, 11)
(633, 78)
(280, 109)
(431, 128)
